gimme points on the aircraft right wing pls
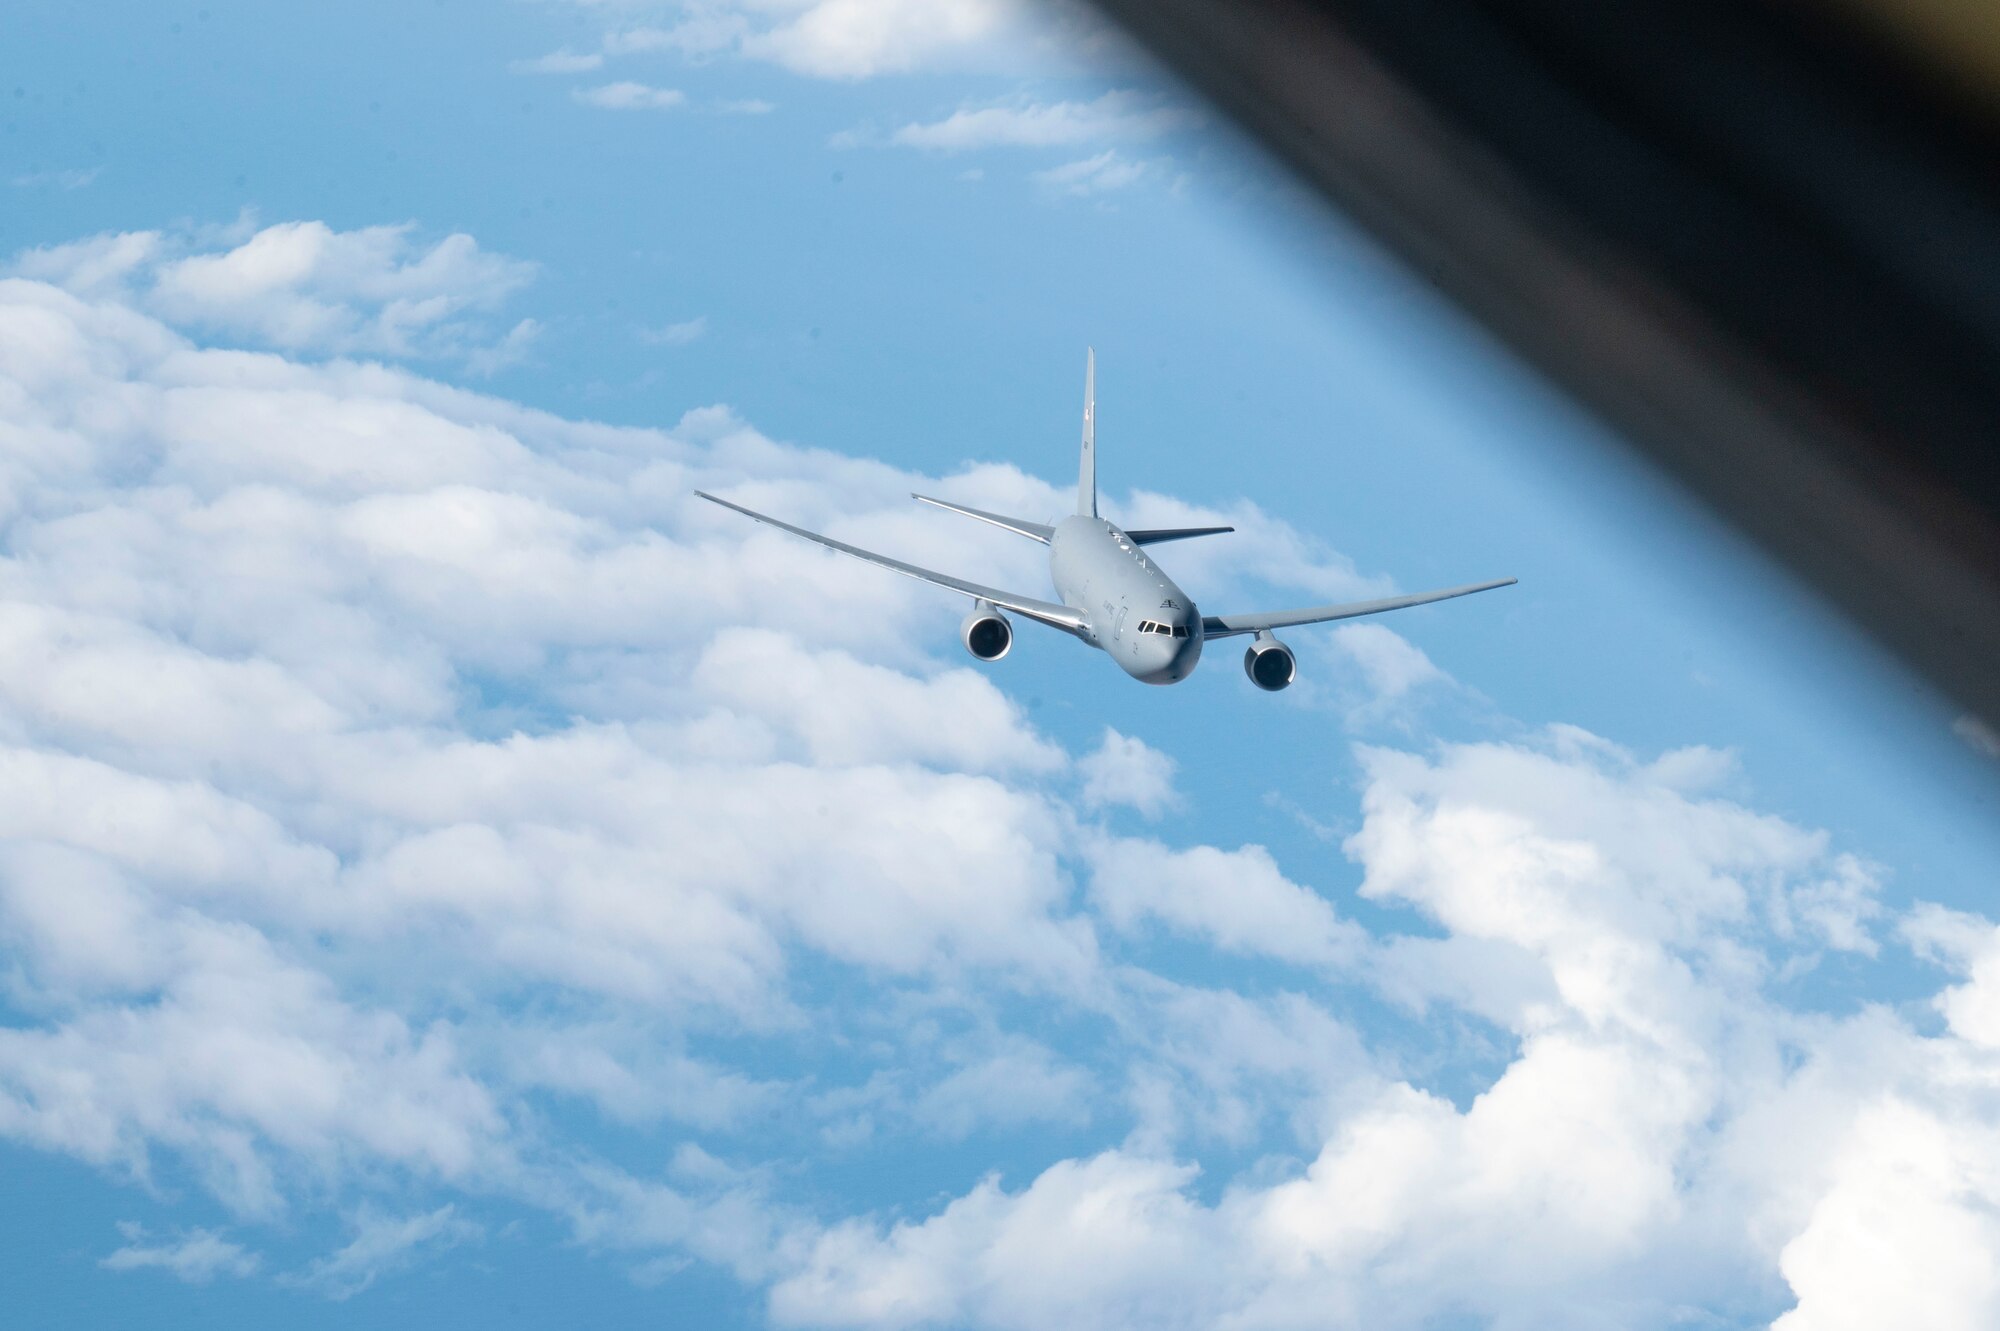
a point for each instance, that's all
(1045, 612)
(1223, 626)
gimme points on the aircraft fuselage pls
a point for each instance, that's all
(1127, 599)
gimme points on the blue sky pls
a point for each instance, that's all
(448, 874)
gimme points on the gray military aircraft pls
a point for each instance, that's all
(1113, 596)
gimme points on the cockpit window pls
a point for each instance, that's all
(1180, 630)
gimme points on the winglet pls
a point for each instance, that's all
(1086, 480)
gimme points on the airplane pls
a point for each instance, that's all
(1113, 597)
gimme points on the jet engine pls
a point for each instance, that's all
(986, 632)
(1269, 663)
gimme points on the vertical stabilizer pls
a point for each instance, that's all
(1086, 479)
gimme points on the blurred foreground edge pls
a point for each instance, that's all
(1761, 239)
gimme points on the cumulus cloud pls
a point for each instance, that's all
(1118, 115)
(194, 1257)
(559, 62)
(1906, 1231)
(1620, 1168)
(1968, 946)
(956, 720)
(1237, 900)
(193, 1034)
(855, 39)
(382, 761)
(1015, 1081)
(850, 40)
(301, 286)
(628, 96)
(1088, 1236)
(1391, 667)
(1128, 771)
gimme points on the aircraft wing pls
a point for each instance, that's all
(1223, 626)
(1034, 531)
(1046, 612)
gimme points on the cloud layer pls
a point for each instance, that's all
(304, 287)
(388, 767)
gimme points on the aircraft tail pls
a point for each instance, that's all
(1086, 480)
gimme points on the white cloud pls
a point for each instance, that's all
(301, 286)
(1225, 1067)
(1238, 900)
(508, 352)
(678, 334)
(380, 761)
(620, 1067)
(703, 30)
(1907, 1231)
(860, 39)
(1619, 1169)
(1130, 772)
(1090, 1236)
(1105, 173)
(241, 1062)
(1969, 946)
(71, 178)
(956, 720)
(1391, 666)
(1119, 115)
(93, 266)
(560, 62)
(295, 283)
(382, 1245)
(194, 1257)
(856, 39)
(1018, 1082)
(628, 96)
(1578, 851)
(211, 776)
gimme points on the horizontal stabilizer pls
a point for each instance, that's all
(1038, 531)
(1154, 535)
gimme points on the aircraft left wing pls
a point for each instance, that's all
(1223, 626)
(1046, 612)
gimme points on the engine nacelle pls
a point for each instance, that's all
(986, 632)
(1270, 664)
